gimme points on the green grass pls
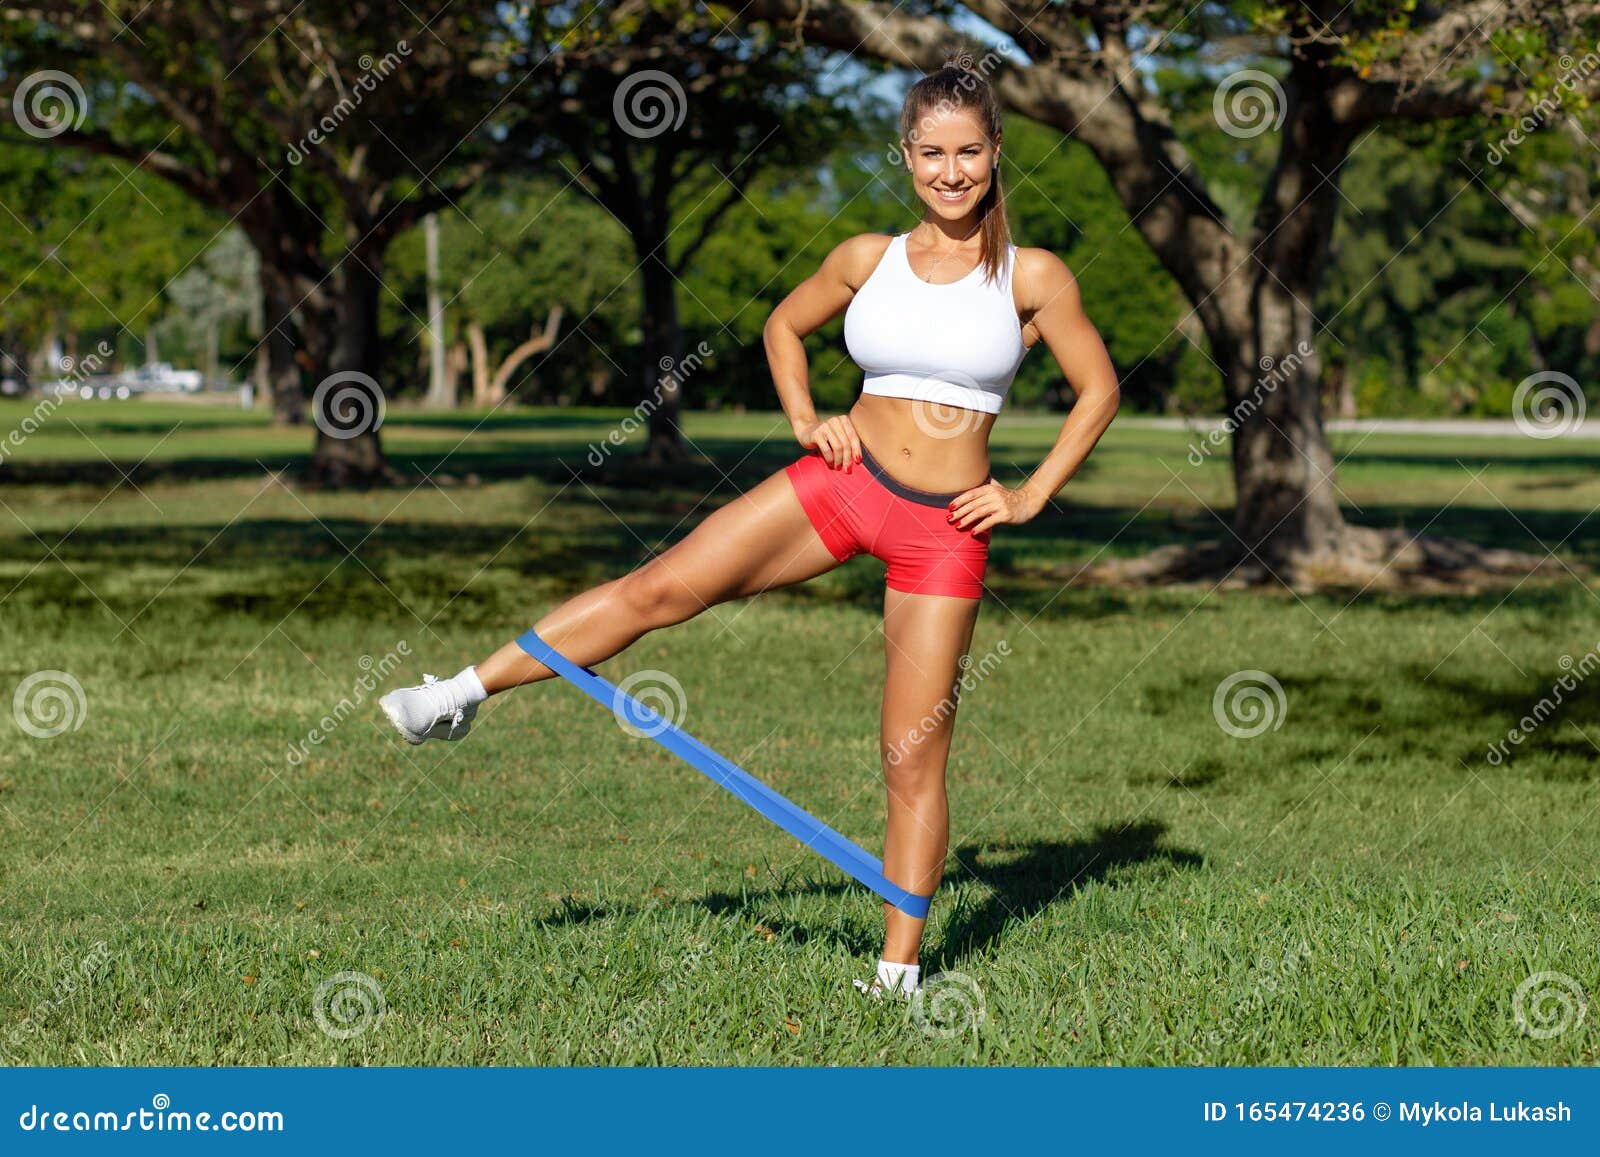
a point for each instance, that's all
(1127, 884)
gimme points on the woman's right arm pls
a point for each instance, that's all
(812, 304)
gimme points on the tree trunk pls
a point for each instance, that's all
(536, 343)
(282, 369)
(12, 367)
(479, 345)
(456, 365)
(348, 403)
(1286, 517)
(663, 350)
(44, 363)
(441, 388)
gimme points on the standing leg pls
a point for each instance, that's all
(925, 637)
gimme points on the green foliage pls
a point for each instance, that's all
(92, 246)
(1435, 286)
(511, 250)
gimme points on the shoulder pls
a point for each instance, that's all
(1040, 277)
(854, 258)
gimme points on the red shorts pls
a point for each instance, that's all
(867, 510)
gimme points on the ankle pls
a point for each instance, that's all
(468, 688)
(893, 975)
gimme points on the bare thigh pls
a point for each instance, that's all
(760, 541)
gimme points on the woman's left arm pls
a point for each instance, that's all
(1072, 338)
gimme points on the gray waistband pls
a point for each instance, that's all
(893, 486)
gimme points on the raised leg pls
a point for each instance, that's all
(760, 541)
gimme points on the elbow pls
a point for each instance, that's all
(1111, 400)
(1102, 403)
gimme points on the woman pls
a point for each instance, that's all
(938, 319)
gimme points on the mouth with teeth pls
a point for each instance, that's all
(957, 195)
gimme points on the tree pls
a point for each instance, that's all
(669, 122)
(316, 128)
(87, 252)
(522, 258)
(1339, 71)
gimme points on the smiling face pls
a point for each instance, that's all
(952, 162)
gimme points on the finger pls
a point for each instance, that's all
(972, 501)
(825, 444)
(836, 440)
(855, 442)
(841, 438)
(978, 509)
(961, 508)
(960, 501)
(990, 518)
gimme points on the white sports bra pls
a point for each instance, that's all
(958, 344)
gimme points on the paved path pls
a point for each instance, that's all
(1454, 427)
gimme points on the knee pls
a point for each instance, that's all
(914, 771)
(654, 595)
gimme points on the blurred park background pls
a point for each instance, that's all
(349, 337)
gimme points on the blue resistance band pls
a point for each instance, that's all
(800, 824)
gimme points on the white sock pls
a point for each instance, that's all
(468, 686)
(892, 975)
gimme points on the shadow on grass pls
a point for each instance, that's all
(1022, 881)
(1443, 718)
(608, 519)
(1030, 878)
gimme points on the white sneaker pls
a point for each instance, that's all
(432, 710)
(875, 989)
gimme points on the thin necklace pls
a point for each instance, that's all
(936, 265)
